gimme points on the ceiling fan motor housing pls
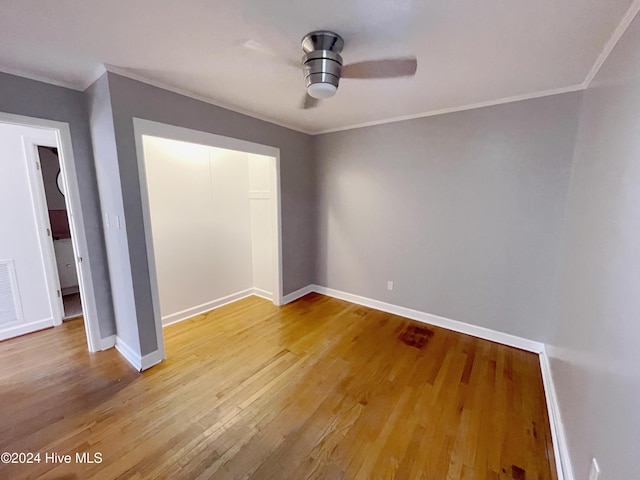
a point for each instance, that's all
(322, 63)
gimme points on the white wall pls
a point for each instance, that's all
(202, 223)
(261, 206)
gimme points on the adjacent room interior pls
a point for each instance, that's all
(60, 232)
(402, 247)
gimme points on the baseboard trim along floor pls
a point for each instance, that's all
(456, 326)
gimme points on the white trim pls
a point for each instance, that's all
(76, 219)
(19, 72)
(205, 307)
(258, 292)
(101, 69)
(151, 359)
(461, 108)
(560, 447)
(301, 292)
(139, 362)
(456, 326)
(613, 41)
(25, 328)
(276, 204)
(183, 134)
(133, 357)
(98, 72)
(123, 72)
(107, 342)
(155, 83)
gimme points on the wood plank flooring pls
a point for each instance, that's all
(317, 389)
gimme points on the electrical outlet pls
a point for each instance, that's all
(390, 285)
(594, 471)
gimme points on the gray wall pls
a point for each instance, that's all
(110, 191)
(595, 350)
(462, 211)
(129, 99)
(36, 99)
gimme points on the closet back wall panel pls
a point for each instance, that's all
(201, 223)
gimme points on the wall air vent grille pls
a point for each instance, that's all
(9, 309)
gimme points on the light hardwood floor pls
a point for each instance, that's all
(318, 389)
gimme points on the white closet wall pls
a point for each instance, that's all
(261, 207)
(211, 242)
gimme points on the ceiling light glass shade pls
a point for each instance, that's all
(322, 90)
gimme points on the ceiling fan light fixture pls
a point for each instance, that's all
(323, 68)
(322, 90)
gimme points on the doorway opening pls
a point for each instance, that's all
(32, 286)
(211, 210)
(56, 205)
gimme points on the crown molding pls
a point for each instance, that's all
(461, 108)
(19, 72)
(613, 41)
(89, 80)
(180, 91)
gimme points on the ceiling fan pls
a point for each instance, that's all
(323, 68)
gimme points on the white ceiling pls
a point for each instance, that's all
(469, 52)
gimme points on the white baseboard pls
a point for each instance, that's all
(297, 294)
(205, 307)
(133, 357)
(258, 292)
(151, 359)
(139, 362)
(107, 342)
(560, 447)
(456, 326)
(23, 329)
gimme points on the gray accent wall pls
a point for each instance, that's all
(463, 212)
(133, 99)
(31, 98)
(595, 344)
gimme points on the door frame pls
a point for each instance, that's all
(76, 218)
(143, 127)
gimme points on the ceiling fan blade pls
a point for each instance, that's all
(309, 102)
(388, 68)
(256, 47)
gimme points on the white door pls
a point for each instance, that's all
(28, 280)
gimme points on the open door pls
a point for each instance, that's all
(30, 297)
